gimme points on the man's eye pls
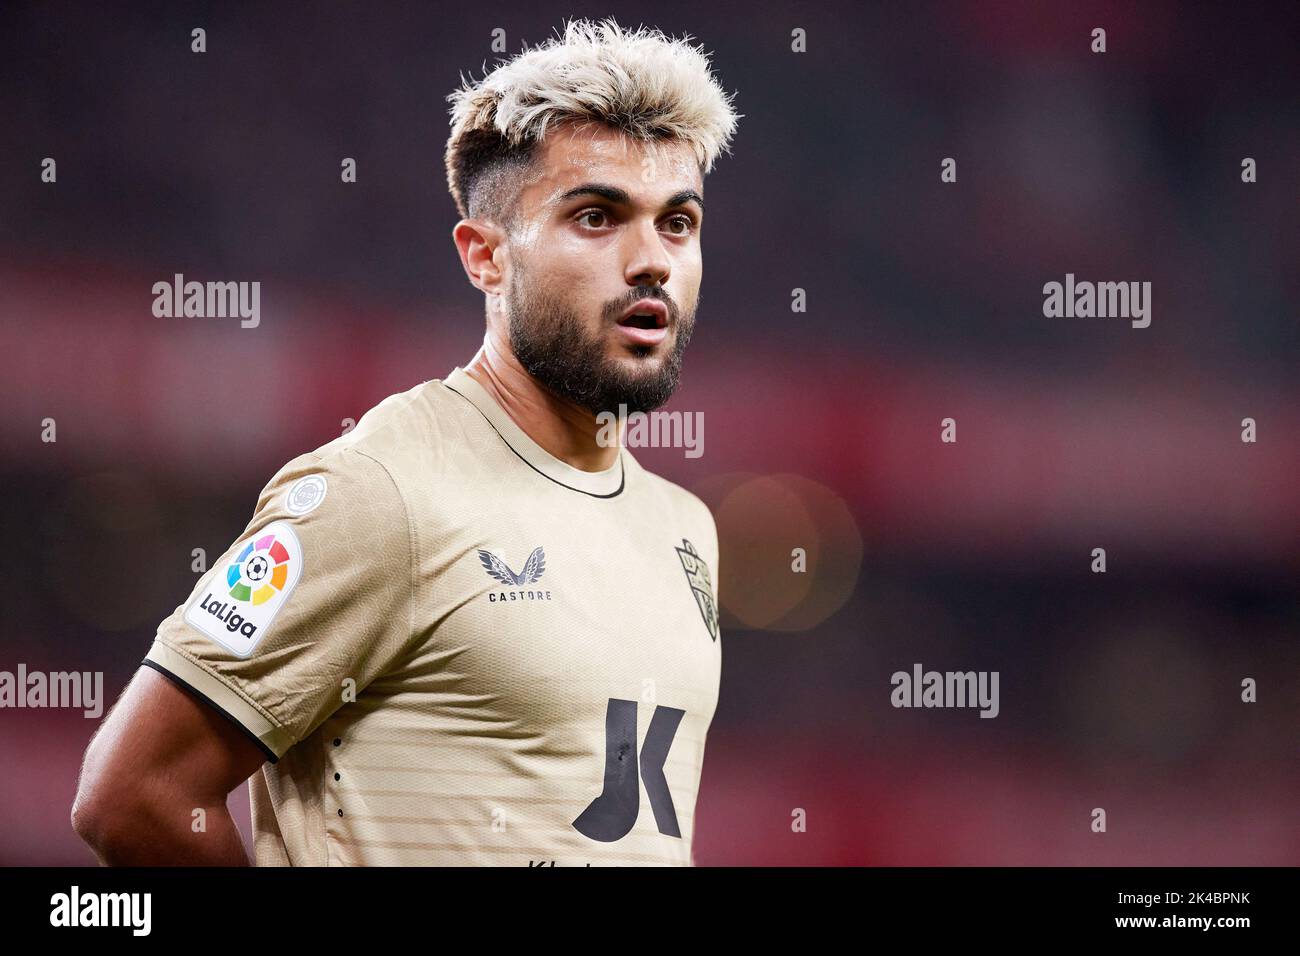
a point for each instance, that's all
(585, 217)
(684, 222)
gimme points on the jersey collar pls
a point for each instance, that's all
(598, 484)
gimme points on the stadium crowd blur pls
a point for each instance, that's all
(924, 301)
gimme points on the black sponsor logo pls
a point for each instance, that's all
(612, 815)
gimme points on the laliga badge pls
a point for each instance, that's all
(239, 602)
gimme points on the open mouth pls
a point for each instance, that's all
(646, 314)
(645, 323)
(641, 320)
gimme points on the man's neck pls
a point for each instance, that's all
(566, 430)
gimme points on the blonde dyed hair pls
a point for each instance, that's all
(650, 86)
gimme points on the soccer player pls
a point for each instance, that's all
(470, 630)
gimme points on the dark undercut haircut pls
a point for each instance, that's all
(487, 173)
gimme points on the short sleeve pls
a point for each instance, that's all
(316, 591)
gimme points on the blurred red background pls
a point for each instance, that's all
(822, 428)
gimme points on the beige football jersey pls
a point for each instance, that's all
(455, 648)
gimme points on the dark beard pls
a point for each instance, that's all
(551, 343)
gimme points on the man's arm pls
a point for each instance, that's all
(160, 755)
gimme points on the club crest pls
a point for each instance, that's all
(697, 575)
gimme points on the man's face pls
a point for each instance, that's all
(603, 222)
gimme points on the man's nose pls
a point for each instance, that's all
(647, 262)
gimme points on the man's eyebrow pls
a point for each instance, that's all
(616, 195)
(685, 196)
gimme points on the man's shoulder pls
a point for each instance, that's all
(404, 432)
(375, 459)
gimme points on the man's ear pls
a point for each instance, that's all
(483, 253)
